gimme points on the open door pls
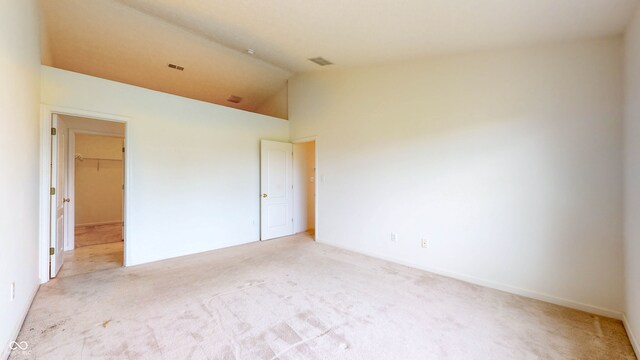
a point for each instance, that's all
(276, 186)
(58, 165)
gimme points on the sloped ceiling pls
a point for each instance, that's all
(132, 41)
(107, 39)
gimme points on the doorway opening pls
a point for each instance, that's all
(87, 195)
(288, 188)
(304, 187)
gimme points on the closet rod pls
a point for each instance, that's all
(91, 158)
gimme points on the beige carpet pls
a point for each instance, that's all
(296, 299)
(97, 234)
(92, 258)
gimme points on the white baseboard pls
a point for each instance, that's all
(632, 337)
(494, 285)
(6, 350)
(100, 223)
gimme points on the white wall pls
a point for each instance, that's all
(508, 162)
(19, 155)
(193, 166)
(303, 186)
(632, 181)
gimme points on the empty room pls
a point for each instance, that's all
(427, 179)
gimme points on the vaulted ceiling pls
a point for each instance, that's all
(134, 41)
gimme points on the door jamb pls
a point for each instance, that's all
(316, 235)
(44, 239)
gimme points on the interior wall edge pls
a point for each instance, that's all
(632, 179)
(632, 338)
(19, 153)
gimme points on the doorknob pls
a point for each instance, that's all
(264, 195)
(66, 200)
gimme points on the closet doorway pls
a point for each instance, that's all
(90, 188)
(304, 187)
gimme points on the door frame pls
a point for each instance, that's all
(69, 241)
(44, 238)
(316, 183)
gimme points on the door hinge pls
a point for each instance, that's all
(52, 251)
(53, 191)
(123, 149)
(53, 131)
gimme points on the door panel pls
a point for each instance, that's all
(58, 166)
(276, 181)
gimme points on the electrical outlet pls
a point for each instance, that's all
(394, 237)
(424, 243)
(13, 291)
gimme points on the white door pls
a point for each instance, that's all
(58, 201)
(276, 186)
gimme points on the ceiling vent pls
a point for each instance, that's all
(321, 61)
(234, 99)
(177, 67)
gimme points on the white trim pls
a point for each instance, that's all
(45, 178)
(634, 342)
(70, 241)
(6, 350)
(46, 112)
(100, 223)
(494, 285)
(316, 226)
(304, 139)
(60, 110)
(70, 234)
